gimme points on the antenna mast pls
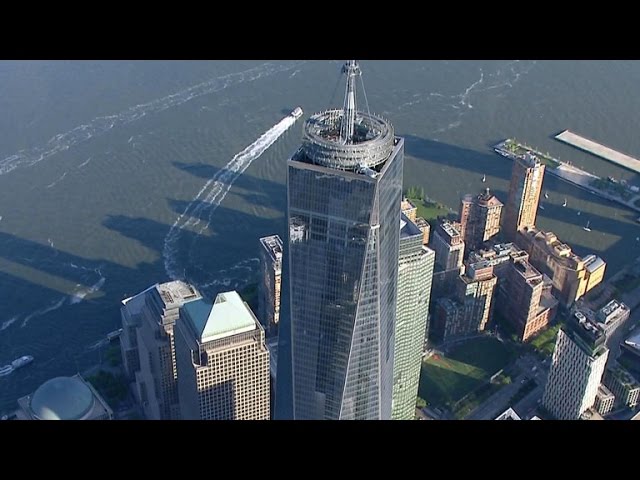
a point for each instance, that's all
(351, 70)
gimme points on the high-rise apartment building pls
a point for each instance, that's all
(344, 191)
(222, 360)
(576, 369)
(415, 273)
(469, 310)
(525, 299)
(448, 245)
(270, 282)
(148, 346)
(572, 276)
(479, 218)
(521, 208)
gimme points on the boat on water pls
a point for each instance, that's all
(297, 112)
(579, 213)
(587, 229)
(484, 178)
(565, 203)
(22, 361)
(113, 335)
(540, 207)
(6, 370)
(546, 195)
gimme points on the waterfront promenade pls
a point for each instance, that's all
(568, 173)
(599, 150)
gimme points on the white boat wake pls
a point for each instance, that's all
(43, 311)
(100, 125)
(7, 323)
(79, 296)
(214, 191)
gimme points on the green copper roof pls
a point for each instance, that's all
(227, 316)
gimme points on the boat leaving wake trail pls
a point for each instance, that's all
(100, 125)
(214, 191)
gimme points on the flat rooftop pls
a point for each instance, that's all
(408, 228)
(593, 263)
(228, 315)
(177, 293)
(449, 229)
(273, 245)
(634, 341)
(599, 150)
(527, 271)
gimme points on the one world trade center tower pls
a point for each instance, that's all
(344, 187)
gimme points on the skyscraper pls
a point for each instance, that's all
(271, 280)
(479, 218)
(415, 272)
(148, 345)
(576, 370)
(524, 194)
(222, 360)
(344, 191)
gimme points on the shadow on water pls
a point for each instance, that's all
(442, 153)
(54, 292)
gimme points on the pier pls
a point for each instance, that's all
(599, 150)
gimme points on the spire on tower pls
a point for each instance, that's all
(351, 70)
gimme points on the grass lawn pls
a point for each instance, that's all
(446, 380)
(429, 210)
(546, 341)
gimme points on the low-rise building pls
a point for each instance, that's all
(604, 400)
(64, 398)
(623, 385)
(612, 315)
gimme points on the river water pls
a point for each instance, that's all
(117, 175)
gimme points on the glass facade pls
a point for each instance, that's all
(343, 264)
(415, 274)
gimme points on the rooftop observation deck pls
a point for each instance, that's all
(370, 146)
(599, 150)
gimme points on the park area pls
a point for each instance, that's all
(445, 381)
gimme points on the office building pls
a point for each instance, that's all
(415, 272)
(148, 347)
(344, 191)
(223, 361)
(576, 369)
(521, 208)
(270, 282)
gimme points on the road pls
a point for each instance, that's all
(499, 401)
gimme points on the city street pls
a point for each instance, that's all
(499, 402)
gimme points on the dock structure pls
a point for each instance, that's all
(599, 150)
